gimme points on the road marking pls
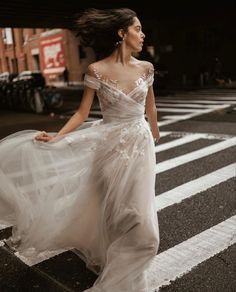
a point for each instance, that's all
(203, 106)
(174, 119)
(197, 154)
(198, 101)
(196, 113)
(189, 189)
(211, 96)
(165, 133)
(178, 110)
(178, 142)
(182, 258)
(206, 135)
(209, 136)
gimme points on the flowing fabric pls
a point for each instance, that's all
(91, 191)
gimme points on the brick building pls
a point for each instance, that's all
(47, 50)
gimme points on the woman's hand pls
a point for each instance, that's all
(156, 137)
(44, 136)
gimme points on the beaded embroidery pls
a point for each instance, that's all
(146, 76)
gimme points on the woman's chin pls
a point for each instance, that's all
(138, 50)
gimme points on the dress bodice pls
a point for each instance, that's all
(120, 104)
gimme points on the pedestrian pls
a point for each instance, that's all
(90, 186)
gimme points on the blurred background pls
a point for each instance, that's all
(191, 43)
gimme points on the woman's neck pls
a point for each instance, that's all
(121, 55)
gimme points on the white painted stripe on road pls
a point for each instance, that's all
(177, 118)
(212, 95)
(222, 98)
(178, 142)
(203, 106)
(189, 189)
(198, 101)
(206, 135)
(182, 258)
(196, 113)
(174, 119)
(165, 133)
(178, 110)
(167, 122)
(179, 160)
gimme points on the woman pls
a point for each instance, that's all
(91, 187)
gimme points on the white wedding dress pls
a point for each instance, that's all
(91, 191)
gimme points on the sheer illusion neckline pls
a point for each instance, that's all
(114, 83)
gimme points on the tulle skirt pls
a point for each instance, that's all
(91, 191)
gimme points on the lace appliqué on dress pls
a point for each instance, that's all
(91, 82)
(147, 77)
(109, 91)
(150, 76)
(124, 140)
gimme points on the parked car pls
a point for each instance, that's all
(7, 77)
(32, 78)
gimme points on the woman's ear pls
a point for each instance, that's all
(121, 33)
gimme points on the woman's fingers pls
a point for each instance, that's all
(44, 139)
(43, 136)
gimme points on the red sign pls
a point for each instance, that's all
(52, 54)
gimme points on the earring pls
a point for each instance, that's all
(119, 42)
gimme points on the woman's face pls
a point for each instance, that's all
(134, 37)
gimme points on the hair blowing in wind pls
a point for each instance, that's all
(99, 28)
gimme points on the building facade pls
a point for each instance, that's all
(184, 46)
(50, 51)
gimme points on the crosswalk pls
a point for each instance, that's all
(214, 155)
(180, 259)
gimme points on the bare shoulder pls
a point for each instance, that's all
(95, 64)
(97, 68)
(145, 65)
(91, 69)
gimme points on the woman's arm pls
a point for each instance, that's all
(76, 120)
(151, 112)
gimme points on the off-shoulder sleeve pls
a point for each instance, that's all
(91, 82)
(150, 75)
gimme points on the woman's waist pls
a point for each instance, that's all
(108, 118)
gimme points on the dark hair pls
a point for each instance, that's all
(98, 28)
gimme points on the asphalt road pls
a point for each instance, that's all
(195, 199)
